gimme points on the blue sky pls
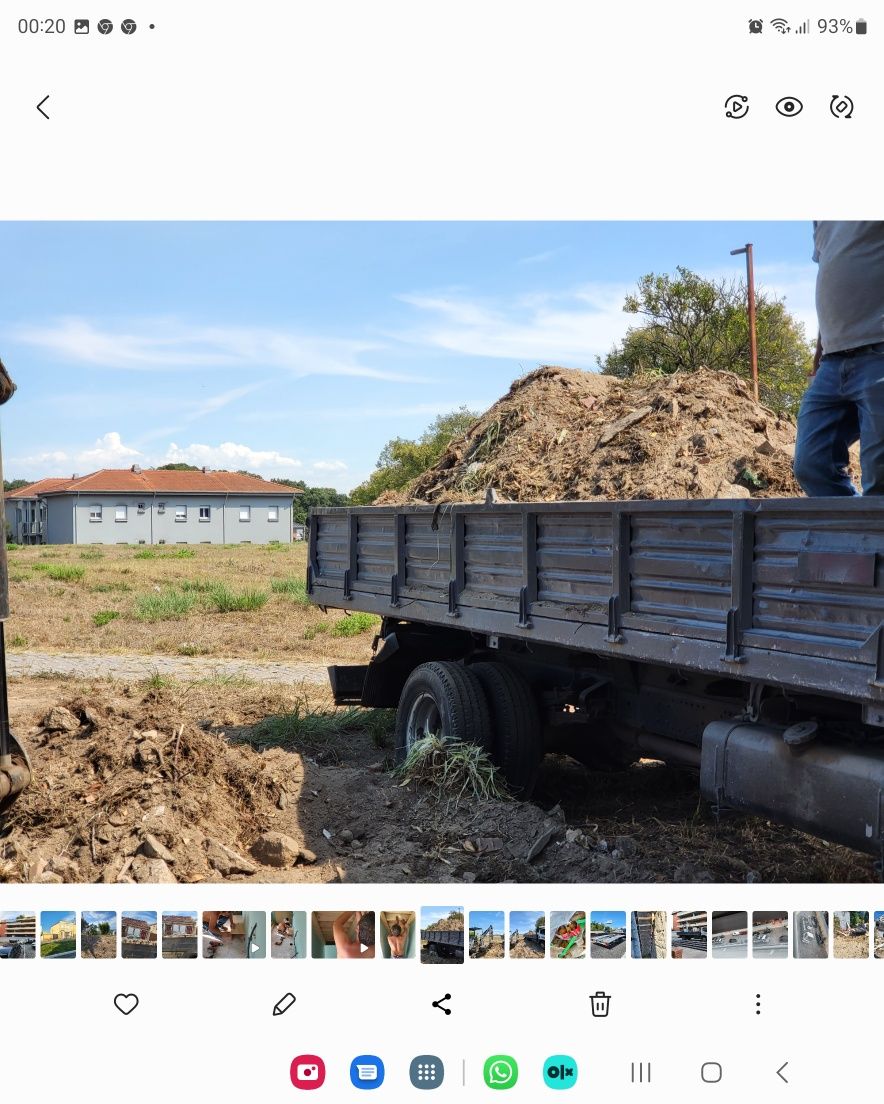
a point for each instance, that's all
(483, 919)
(147, 917)
(524, 921)
(49, 919)
(431, 913)
(299, 349)
(15, 915)
(99, 918)
(609, 919)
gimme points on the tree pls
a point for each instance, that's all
(15, 484)
(691, 322)
(178, 467)
(402, 460)
(310, 497)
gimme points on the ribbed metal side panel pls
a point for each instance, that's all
(818, 579)
(428, 551)
(375, 547)
(332, 545)
(493, 554)
(574, 558)
(680, 566)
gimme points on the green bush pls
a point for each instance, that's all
(354, 624)
(168, 605)
(145, 554)
(111, 588)
(92, 554)
(104, 617)
(312, 631)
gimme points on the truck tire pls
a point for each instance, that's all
(517, 728)
(444, 699)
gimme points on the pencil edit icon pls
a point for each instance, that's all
(283, 1004)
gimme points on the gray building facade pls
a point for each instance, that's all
(152, 507)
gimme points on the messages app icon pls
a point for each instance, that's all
(500, 1072)
(367, 1072)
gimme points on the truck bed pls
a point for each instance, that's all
(784, 591)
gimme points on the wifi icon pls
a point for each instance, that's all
(782, 25)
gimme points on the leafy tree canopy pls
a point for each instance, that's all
(690, 322)
(403, 460)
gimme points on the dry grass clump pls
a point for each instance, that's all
(455, 770)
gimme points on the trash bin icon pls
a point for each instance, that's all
(601, 1004)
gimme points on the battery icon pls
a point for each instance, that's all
(861, 26)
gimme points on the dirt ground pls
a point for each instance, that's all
(117, 584)
(850, 946)
(493, 950)
(527, 948)
(157, 782)
(105, 946)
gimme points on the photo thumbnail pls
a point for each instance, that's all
(343, 934)
(180, 935)
(18, 935)
(649, 935)
(770, 934)
(398, 934)
(58, 935)
(567, 935)
(139, 936)
(607, 935)
(850, 938)
(527, 934)
(487, 935)
(228, 934)
(730, 935)
(288, 934)
(442, 934)
(98, 935)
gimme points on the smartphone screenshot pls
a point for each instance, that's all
(442, 577)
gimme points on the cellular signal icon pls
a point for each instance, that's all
(781, 25)
(804, 28)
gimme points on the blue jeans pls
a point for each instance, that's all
(844, 403)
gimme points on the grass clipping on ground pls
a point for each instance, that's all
(565, 434)
(453, 770)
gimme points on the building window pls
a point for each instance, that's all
(273, 513)
(181, 513)
(140, 507)
(245, 513)
(161, 507)
(205, 513)
(95, 512)
(120, 513)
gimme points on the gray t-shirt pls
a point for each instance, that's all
(849, 284)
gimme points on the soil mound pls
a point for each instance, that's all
(565, 434)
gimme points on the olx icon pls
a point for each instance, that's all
(560, 1072)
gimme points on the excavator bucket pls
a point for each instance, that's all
(15, 774)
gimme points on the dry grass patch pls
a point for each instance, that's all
(246, 601)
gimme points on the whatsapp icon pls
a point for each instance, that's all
(501, 1072)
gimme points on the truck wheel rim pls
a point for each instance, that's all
(424, 719)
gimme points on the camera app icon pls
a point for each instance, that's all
(308, 1071)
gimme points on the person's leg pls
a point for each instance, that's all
(867, 383)
(828, 425)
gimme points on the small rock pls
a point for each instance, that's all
(602, 846)
(282, 801)
(542, 841)
(66, 868)
(346, 836)
(154, 849)
(49, 877)
(357, 844)
(573, 835)
(308, 856)
(627, 846)
(752, 877)
(227, 861)
(276, 849)
(469, 876)
(59, 719)
(153, 871)
(119, 817)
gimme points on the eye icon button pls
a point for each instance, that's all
(790, 106)
(736, 107)
(841, 107)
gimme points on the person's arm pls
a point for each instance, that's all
(817, 354)
(339, 931)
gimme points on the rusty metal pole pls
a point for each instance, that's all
(753, 339)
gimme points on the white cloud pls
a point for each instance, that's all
(231, 456)
(107, 452)
(329, 466)
(169, 344)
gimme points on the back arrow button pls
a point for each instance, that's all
(40, 107)
(780, 1073)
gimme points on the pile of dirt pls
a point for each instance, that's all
(447, 923)
(525, 947)
(563, 434)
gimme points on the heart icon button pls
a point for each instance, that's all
(126, 1002)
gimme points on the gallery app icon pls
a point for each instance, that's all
(308, 1072)
(500, 1072)
(367, 1072)
(560, 1072)
(426, 1071)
